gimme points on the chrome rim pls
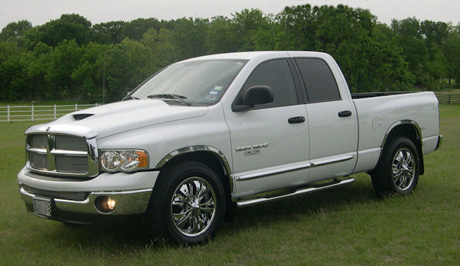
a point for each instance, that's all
(403, 169)
(193, 206)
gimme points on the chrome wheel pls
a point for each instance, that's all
(403, 169)
(398, 169)
(193, 206)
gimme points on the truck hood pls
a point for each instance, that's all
(115, 118)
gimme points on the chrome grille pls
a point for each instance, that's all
(39, 141)
(70, 143)
(71, 164)
(38, 161)
(62, 155)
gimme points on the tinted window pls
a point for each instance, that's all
(200, 82)
(318, 79)
(277, 75)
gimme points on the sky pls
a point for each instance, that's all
(39, 12)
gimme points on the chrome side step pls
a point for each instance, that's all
(257, 200)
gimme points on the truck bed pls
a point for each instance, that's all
(377, 94)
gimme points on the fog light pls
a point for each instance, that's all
(105, 204)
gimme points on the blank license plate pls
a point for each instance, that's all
(42, 206)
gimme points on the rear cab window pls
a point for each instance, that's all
(318, 79)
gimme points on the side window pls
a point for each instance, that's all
(277, 75)
(318, 79)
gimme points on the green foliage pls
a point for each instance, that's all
(15, 30)
(69, 58)
(68, 27)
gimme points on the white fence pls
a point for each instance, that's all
(16, 113)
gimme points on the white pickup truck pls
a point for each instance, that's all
(212, 133)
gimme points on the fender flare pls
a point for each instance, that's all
(201, 148)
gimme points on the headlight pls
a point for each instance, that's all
(127, 161)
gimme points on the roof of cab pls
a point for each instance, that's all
(256, 54)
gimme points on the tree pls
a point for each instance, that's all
(37, 72)
(161, 47)
(15, 30)
(345, 33)
(65, 58)
(222, 36)
(247, 23)
(415, 52)
(388, 69)
(67, 27)
(89, 74)
(13, 82)
(127, 65)
(108, 33)
(451, 51)
(189, 37)
(135, 29)
(298, 24)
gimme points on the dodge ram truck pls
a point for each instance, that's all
(207, 135)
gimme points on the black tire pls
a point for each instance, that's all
(187, 204)
(398, 169)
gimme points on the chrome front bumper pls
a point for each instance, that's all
(83, 209)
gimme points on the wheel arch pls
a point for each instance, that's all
(211, 157)
(409, 129)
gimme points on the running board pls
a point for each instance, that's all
(336, 183)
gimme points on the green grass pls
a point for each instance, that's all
(347, 225)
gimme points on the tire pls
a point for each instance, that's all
(187, 204)
(397, 172)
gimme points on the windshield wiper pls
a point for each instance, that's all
(131, 98)
(179, 98)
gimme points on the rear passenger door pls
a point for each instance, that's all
(332, 121)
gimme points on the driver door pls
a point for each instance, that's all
(270, 142)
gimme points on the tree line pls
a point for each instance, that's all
(71, 59)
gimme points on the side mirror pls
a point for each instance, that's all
(255, 95)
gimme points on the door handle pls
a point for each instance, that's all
(296, 120)
(346, 113)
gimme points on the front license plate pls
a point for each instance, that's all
(42, 206)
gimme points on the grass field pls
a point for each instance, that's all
(348, 225)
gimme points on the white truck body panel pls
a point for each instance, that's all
(259, 149)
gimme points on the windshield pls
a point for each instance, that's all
(201, 82)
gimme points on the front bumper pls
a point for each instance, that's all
(76, 201)
(128, 203)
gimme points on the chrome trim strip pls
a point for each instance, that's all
(24, 192)
(49, 157)
(86, 201)
(331, 161)
(244, 203)
(293, 168)
(440, 138)
(122, 192)
(36, 150)
(71, 130)
(403, 122)
(278, 171)
(70, 153)
(196, 148)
